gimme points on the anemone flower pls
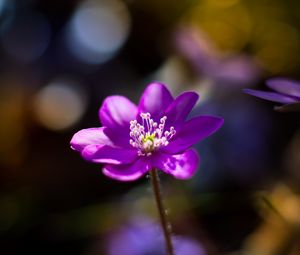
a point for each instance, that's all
(153, 135)
(286, 92)
(141, 236)
(226, 69)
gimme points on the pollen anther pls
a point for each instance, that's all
(149, 135)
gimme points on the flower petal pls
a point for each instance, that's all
(89, 136)
(179, 109)
(270, 96)
(285, 86)
(129, 172)
(108, 155)
(192, 132)
(155, 99)
(119, 137)
(116, 112)
(181, 166)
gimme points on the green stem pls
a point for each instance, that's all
(162, 212)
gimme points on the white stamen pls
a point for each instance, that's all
(149, 136)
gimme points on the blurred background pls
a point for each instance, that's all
(60, 59)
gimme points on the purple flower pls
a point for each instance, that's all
(229, 69)
(141, 236)
(155, 134)
(287, 92)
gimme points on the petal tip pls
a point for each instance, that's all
(216, 122)
(116, 111)
(194, 96)
(221, 121)
(157, 85)
(195, 157)
(76, 143)
(155, 99)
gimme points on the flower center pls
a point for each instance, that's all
(149, 136)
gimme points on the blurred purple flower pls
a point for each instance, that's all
(143, 237)
(154, 134)
(287, 92)
(231, 69)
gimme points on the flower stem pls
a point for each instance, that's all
(161, 210)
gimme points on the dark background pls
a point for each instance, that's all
(60, 59)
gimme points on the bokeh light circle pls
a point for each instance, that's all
(60, 104)
(97, 30)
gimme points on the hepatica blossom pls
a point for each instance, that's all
(153, 134)
(226, 69)
(285, 91)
